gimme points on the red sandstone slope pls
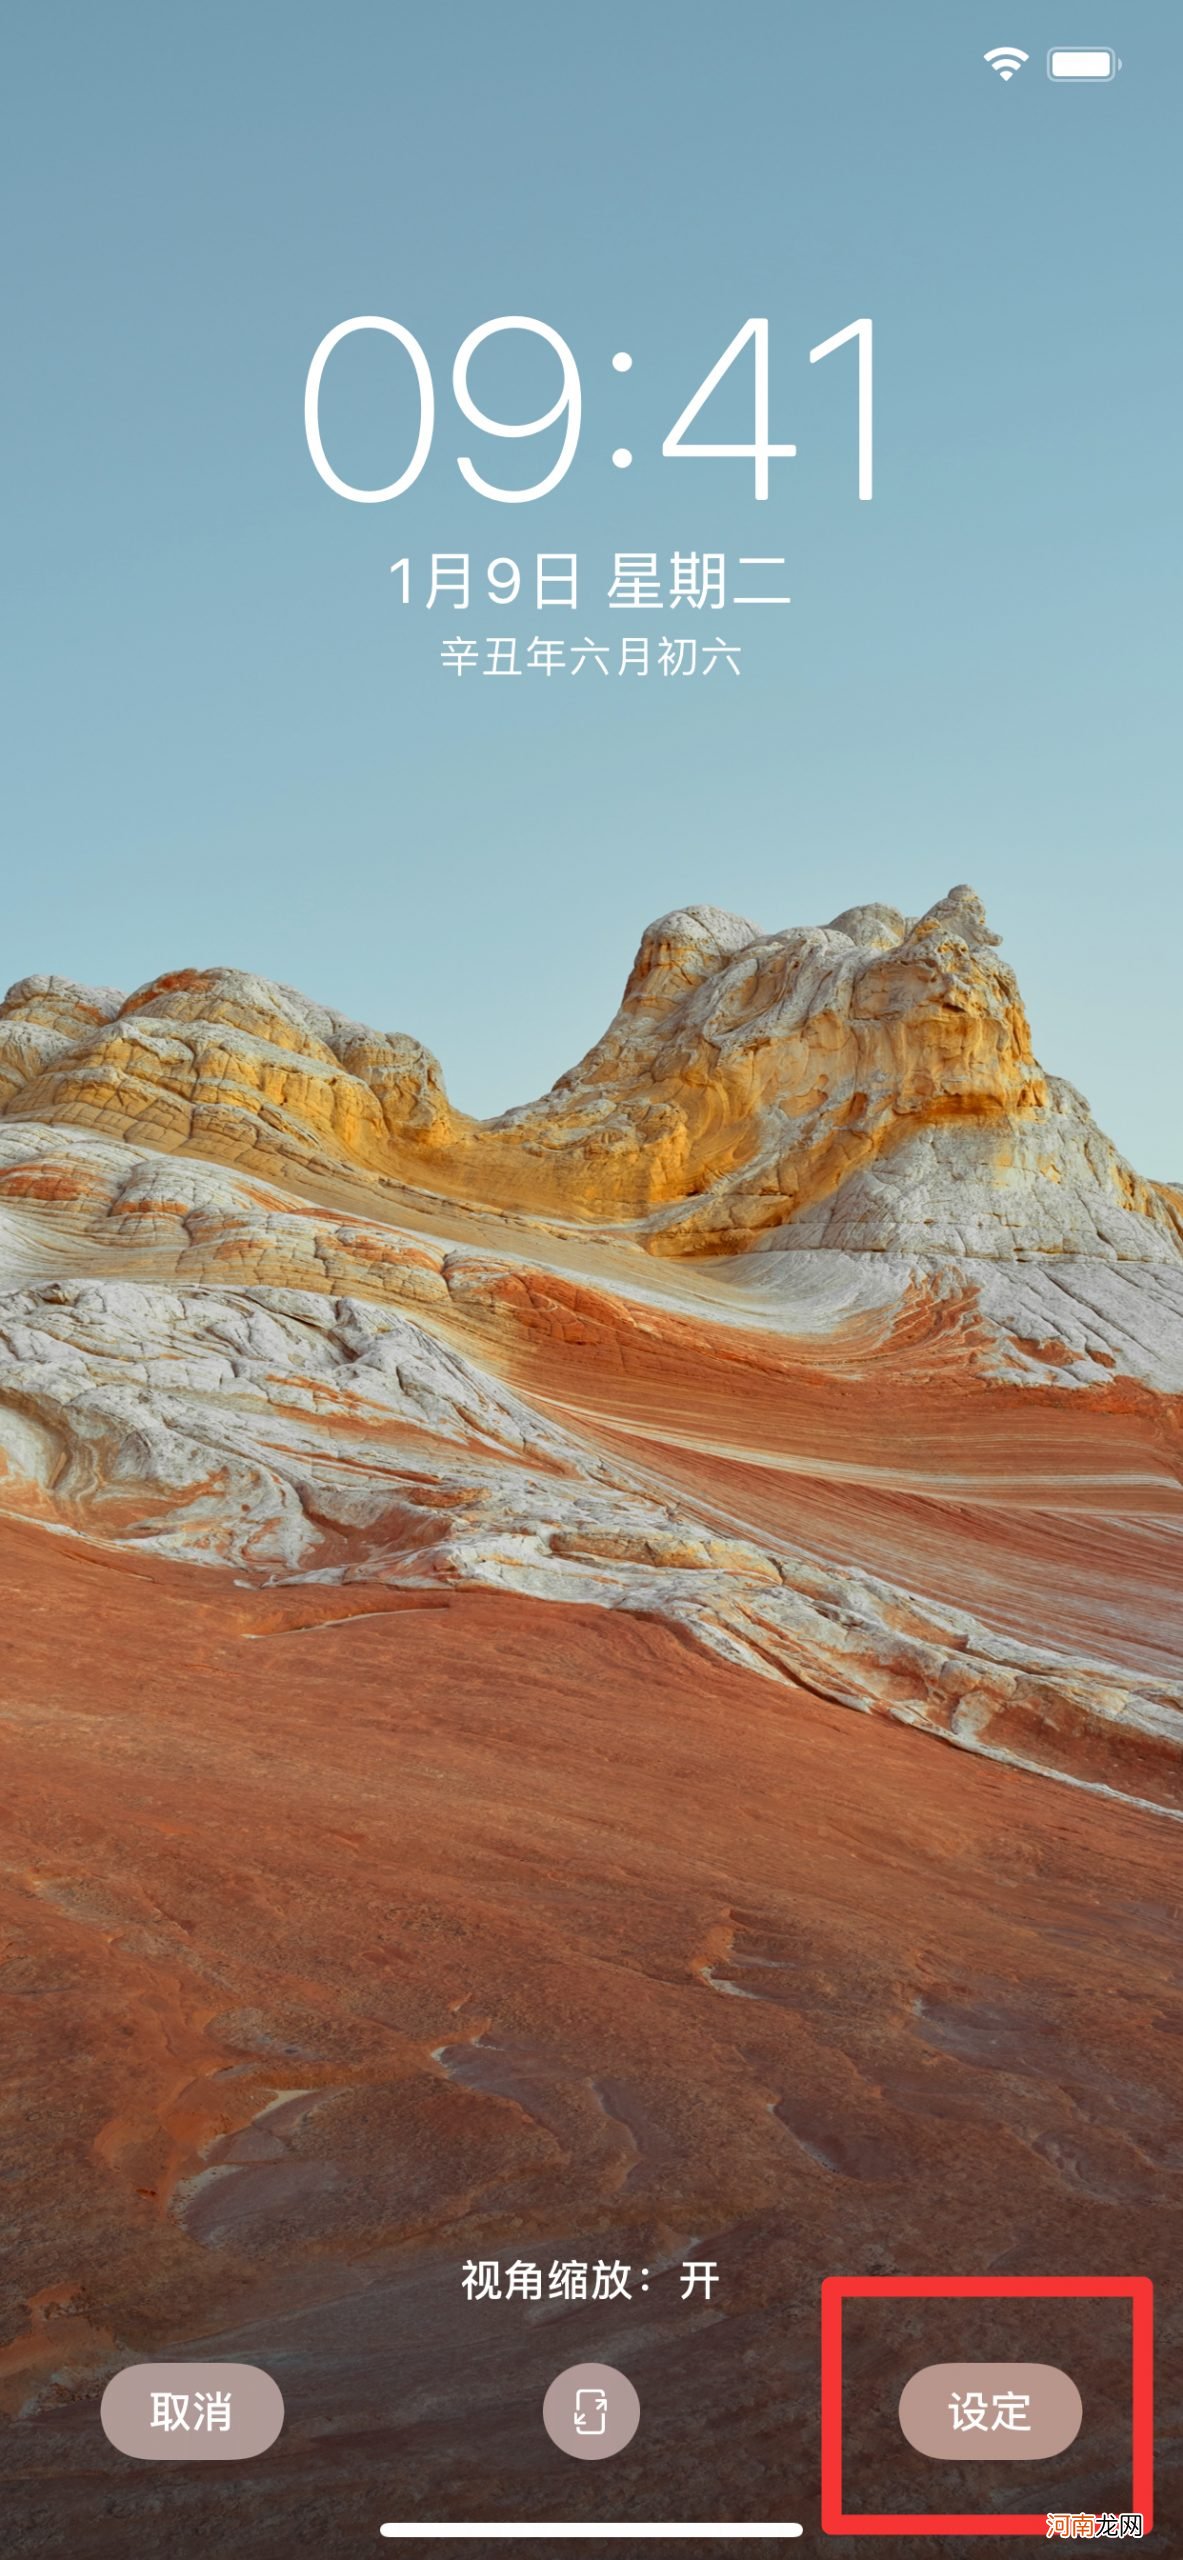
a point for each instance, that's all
(556, 1930)
(439, 1563)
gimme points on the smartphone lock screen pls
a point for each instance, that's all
(591, 1277)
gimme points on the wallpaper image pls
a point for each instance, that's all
(592, 1687)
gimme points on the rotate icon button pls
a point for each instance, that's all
(591, 2410)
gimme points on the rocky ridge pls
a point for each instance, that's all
(870, 1083)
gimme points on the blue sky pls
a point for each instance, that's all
(228, 742)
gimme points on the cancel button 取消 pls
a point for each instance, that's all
(192, 2412)
(990, 2412)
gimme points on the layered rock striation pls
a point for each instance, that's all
(806, 1314)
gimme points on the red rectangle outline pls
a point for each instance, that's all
(1137, 2290)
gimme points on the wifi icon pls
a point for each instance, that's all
(1006, 59)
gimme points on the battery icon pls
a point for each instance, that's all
(1082, 62)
